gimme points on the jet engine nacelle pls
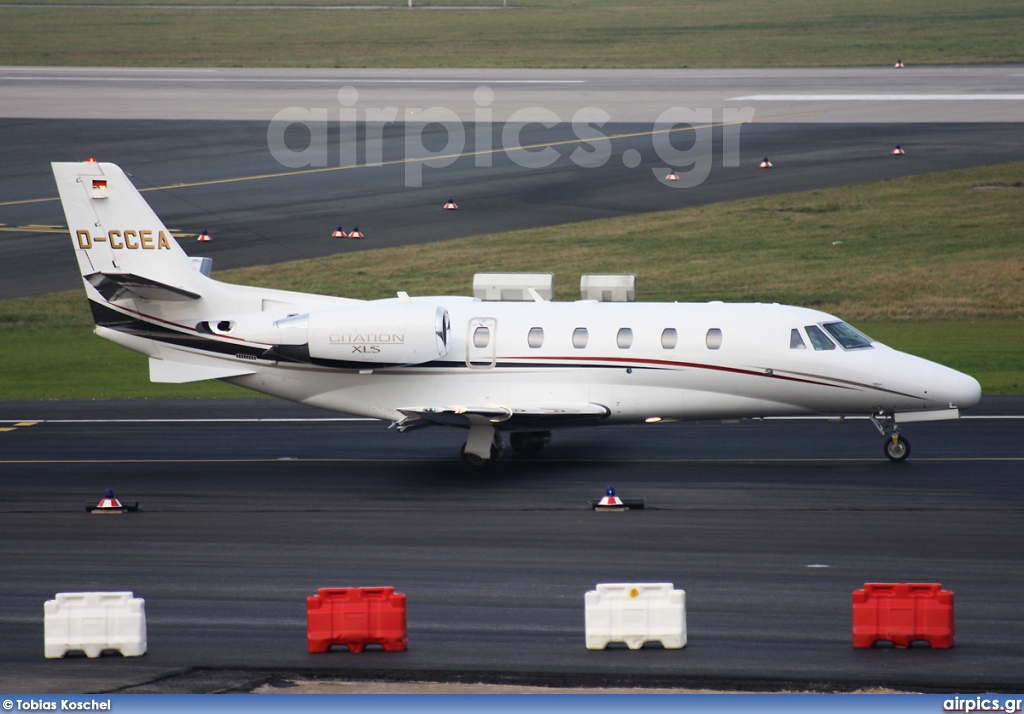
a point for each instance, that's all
(392, 333)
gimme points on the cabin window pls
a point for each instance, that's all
(849, 337)
(819, 340)
(796, 342)
(536, 337)
(481, 337)
(624, 339)
(669, 338)
(714, 338)
(580, 336)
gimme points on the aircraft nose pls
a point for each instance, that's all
(967, 392)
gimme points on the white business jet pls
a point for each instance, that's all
(524, 367)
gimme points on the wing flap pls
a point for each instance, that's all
(518, 416)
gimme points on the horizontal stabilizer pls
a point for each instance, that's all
(112, 285)
(171, 372)
(522, 416)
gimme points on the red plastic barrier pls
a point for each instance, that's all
(902, 613)
(356, 617)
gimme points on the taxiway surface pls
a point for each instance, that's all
(220, 177)
(249, 506)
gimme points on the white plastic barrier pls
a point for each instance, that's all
(636, 613)
(93, 622)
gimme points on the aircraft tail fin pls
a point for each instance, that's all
(120, 243)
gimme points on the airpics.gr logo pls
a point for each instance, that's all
(982, 704)
(125, 240)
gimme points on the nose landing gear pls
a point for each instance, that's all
(896, 448)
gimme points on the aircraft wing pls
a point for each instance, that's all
(505, 417)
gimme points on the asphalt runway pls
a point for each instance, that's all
(249, 506)
(234, 188)
(980, 93)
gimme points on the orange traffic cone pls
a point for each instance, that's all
(898, 151)
(355, 233)
(450, 206)
(204, 237)
(672, 176)
(899, 64)
(339, 232)
(766, 164)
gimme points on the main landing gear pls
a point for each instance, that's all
(484, 444)
(896, 448)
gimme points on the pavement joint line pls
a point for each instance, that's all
(333, 460)
(188, 421)
(421, 159)
(275, 420)
(101, 6)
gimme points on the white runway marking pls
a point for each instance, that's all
(879, 98)
(282, 80)
(850, 418)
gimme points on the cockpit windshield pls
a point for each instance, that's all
(819, 340)
(849, 337)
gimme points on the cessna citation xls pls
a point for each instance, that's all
(487, 366)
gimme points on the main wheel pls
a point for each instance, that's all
(477, 462)
(897, 449)
(529, 443)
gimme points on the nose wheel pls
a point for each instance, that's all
(896, 448)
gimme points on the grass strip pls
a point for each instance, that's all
(532, 34)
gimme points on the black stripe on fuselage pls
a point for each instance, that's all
(105, 316)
